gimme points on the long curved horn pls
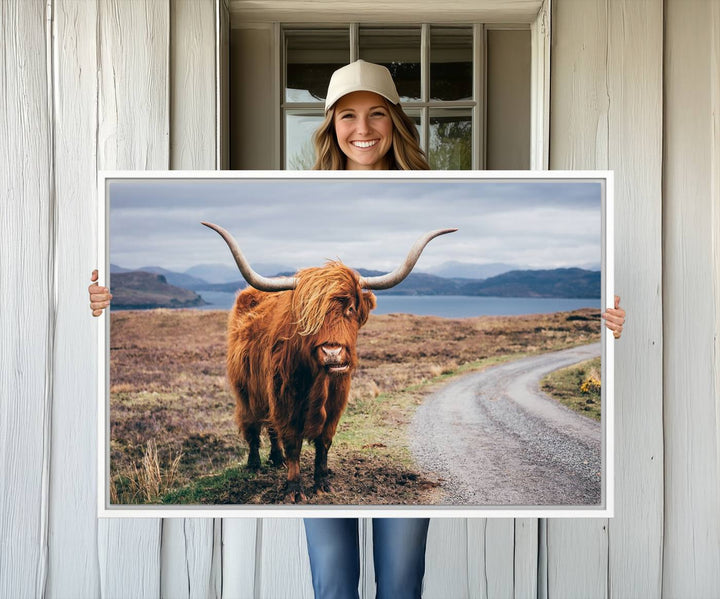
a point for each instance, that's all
(396, 276)
(254, 279)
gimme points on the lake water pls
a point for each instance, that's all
(448, 306)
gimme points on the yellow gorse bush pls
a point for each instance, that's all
(591, 384)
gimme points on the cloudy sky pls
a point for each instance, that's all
(365, 223)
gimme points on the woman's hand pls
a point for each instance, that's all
(615, 318)
(99, 296)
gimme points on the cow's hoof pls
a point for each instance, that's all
(295, 497)
(294, 493)
(322, 486)
(253, 463)
(277, 459)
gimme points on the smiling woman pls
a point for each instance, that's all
(365, 128)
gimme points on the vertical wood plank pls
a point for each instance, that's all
(447, 559)
(284, 565)
(476, 578)
(577, 552)
(491, 556)
(133, 125)
(216, 572)
(26, 306)
(239, 557)
(579, 97)
(133, 85)
(500, 557)
(73, 563)
(192, 84)
(635, 90)
(577, 558)
(526, 558)
(129, 558)
(188, 559)
(691, 308)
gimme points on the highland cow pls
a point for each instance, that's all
(291, 352)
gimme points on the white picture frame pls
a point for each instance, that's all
(357, 180)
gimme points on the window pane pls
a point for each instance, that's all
(450, 139)
(451, 55)
(299, 149)
(311, 58)
(398, 50)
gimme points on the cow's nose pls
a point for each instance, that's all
(332, 352)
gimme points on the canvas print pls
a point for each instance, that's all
(328, 341)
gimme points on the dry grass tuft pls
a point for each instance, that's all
(122, 388)
(364, 389)
(147, 483)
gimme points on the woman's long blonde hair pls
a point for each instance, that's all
(405, 153)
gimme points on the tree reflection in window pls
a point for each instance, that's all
(450, 141)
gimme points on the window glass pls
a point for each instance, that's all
(451, 63)
(398, 50)
(450, 144)
(299, 149)
(414, 115)
(311, 57)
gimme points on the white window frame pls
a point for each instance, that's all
(476, 106)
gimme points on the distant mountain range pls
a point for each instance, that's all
(179, 279)
(142, 290)
(468, 270)
(154, 286)
(216, 277)
(558, 282)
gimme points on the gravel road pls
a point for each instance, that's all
(496, 439)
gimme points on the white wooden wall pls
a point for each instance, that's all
(132, 85)
(606, 113)
(691, 301)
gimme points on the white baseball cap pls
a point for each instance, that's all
(361, 76)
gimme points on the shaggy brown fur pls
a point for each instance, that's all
(289, 362)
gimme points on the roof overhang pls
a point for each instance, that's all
(378, 11)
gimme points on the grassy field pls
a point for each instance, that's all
(577, 387)
(173, 438)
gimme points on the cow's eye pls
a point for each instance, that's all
(350, 311)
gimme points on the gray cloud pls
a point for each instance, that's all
(368, 223)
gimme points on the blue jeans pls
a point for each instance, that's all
(398, 551)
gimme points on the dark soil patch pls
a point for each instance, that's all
(356, 479)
